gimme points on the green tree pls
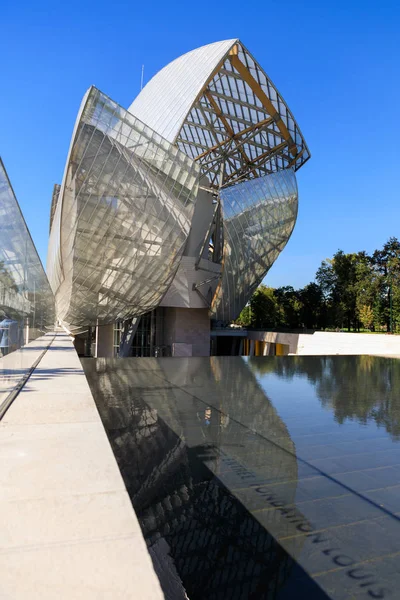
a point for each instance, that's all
(346, 280)
(312, 313)
(244, 319)
(264, 308)
(289, 307)
(366, 315)
(386, 263)
(368, 288)
(350, 289)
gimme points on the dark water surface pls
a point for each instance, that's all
(272, 477)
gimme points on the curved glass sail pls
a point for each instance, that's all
(26, 299)
(258, 219)
(122, 219)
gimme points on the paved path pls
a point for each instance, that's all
(67, 527)
(14, 366)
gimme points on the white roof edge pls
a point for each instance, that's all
(167, 98)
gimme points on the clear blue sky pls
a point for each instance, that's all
(337, 64)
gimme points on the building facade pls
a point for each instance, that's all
(179, 204)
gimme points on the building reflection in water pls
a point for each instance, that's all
(188, 435)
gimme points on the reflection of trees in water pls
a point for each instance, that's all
(163, 438)
(361, 388)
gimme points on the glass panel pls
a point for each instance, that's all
(258, 216)
(26, 300)
(126, 205)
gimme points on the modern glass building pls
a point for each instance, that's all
(26, 299)
(178, 205)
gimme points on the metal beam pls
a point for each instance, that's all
(270, 153)
(227, 126)
(265, 101)
(239, 101)
(236, 136)
(293, 161)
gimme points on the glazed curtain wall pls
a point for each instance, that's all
(122, 218)
(26, 300)
(258, 219)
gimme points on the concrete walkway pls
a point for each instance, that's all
(14, 366)
(67, 526)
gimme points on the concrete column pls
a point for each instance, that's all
(97, 339)
(105, 341)
(88, 344)
(187, 331)
(26, 331)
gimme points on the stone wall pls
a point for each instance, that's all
(187, 331)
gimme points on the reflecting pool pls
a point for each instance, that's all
(267, 477)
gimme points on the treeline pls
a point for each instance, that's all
(351, 291)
